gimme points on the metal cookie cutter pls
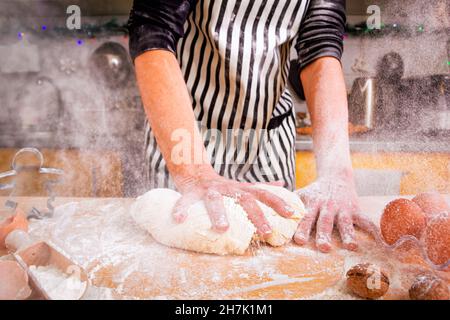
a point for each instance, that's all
(16, 169)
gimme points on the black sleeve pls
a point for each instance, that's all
(157, 24)
(321, 33)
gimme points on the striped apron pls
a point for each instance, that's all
(235, 60)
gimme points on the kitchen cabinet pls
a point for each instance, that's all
(86, 174)
(420, 171)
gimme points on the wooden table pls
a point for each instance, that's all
(99, 235)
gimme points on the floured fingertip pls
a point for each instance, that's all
(221, 225)
(221, 228)
(300, 239)
(324, 247)
(352, 246)
(288, 211)
(179, 217)
(323, 243)
(264, 231)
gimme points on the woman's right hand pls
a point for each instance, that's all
(210, 187)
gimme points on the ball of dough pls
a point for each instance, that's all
(367, 281)
(402, 217)
(153, 212)
(429, 287)
(437, 239)
(432, 203)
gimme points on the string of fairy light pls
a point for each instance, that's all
(113, 27)
(21, 35)
(89, 31)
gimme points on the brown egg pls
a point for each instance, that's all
(367, 281)
(402, 217)
(437, 239)
(17, 221)
(429, 287)
(432, 203)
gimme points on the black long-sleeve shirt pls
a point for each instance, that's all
(160, 24)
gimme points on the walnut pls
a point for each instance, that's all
(429, 287)
(367, 281)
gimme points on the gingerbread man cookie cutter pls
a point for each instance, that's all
(48, 185)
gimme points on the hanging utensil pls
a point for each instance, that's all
(16, 169)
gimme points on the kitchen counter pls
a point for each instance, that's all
(123, 261)
(372, 144)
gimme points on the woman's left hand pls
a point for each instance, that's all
(331, 200)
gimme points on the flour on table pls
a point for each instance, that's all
(124, 262)
(153, 212)
(57, 284)
(98, 293)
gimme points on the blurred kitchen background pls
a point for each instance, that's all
(72, 94)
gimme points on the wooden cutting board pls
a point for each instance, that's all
(119, 256)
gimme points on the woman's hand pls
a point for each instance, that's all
(210, 187)
(330, 200)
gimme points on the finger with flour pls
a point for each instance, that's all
(216, 210)
(324, 227)
(181, 207)
(271, 200)
(346, 230)
(255, 214)
(302, 235)
(367, 225)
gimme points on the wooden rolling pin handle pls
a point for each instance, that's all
(18, 240)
